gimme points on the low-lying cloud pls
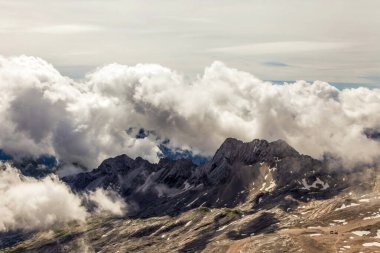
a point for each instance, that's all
(27, 203)
(107, 202)
(86, 121)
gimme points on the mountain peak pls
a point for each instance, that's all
(120, 162)
(282, 148)
(254, 151)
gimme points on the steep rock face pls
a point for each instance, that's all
(234, 154)
(255, 151)
(112, 173)
(175, 173)
(268, 171)
(260, 173)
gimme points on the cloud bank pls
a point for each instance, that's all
(86, 121)
(107, 202)
(28, 204)
(284, 47)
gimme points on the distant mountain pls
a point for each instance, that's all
(37, 167)
(166, 151)
(269, 170)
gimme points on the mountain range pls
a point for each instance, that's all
(256, 196)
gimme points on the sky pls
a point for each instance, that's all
(75, 76)
(336, 41)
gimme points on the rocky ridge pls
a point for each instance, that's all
(235, 172)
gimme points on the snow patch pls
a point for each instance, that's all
(318, 181)
(361, 233)
(339, 221)
(271, 186)
(187, 186)
(192, 202)
(222, 228)
(273, 169)
(378, 234)
(371, 244)
(372, 217)
(344, 206)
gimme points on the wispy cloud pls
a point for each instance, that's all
(6, 29)
(201, 20)
(65, 29)
(275, 64)
(374, 78)
(283, 47)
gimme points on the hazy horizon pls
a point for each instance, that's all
(333, 41)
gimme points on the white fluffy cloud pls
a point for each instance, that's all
(27, 203)
(85, 121)
(44, 112)
(107, 202)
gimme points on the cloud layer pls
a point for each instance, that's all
(284, 47)
(86, 121)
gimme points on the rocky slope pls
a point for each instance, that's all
(250, 197)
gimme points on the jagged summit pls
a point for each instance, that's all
(254, 151)
(173, 186)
